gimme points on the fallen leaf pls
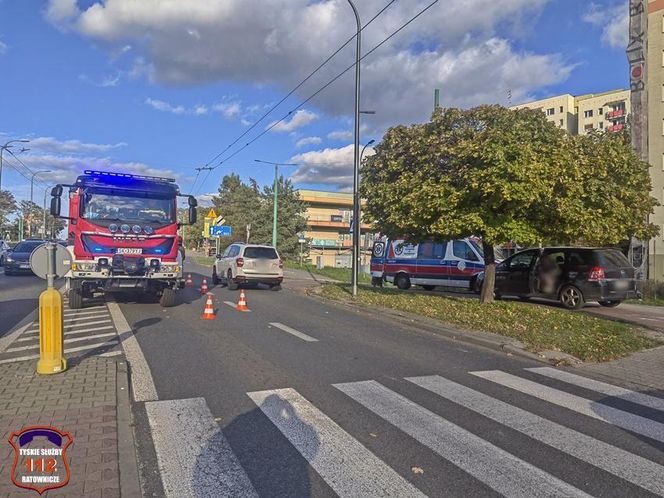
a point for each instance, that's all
(417, 470)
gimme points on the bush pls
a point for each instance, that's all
(652, 290)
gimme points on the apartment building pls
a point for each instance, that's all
(328, 228)
(654, 88)
(581, 115)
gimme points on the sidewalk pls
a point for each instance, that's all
(91, 402)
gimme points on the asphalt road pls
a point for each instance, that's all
(305, 398)
(19, 297)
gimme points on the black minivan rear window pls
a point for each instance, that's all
(612, 258)
(260, 253)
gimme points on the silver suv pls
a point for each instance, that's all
(248, 263)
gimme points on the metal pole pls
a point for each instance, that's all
(44, 210)
(274, 214)
(356, 154)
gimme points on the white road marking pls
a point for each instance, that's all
(66, 351)
(349, 468)
(233, 305)
(141, 378)
(619, 418)
(194, 457)
(66, 341)
(85, 311)
(7, 339)
(619, 462)
(489, 464)
(72, 326)
(294, 332)
(32, 336)
(601, 387)
(112, 353)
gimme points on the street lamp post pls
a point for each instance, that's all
(356, 153)
(5, 147)
(44, 209)
(360, 206)
(275, 188)
(32, 188)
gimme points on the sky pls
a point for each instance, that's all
(161, 87)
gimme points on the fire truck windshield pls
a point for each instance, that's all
(127, 207)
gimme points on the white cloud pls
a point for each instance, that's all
(341, 135)
(160, 105)
(65, 168)
(199, 110)
(614, 21)
(300, 118)
(308, 141)
(3, 48)
(269, 43)
(229, 110)
(205, 200)
(330, 166)
(50, 144)
(61, 12)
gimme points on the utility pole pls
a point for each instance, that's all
(6, 147)
(436, 99)
(276, 199)
(356, 153)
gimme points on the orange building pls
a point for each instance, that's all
(328, 228)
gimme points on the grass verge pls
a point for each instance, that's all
(538, 327)
(340, 274)
(204, 260)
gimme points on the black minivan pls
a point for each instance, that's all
(571, 275)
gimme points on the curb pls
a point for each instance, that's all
(487, 340)
(127, 460)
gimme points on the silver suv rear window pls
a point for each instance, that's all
(260, 253)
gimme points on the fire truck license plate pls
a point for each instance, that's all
(129, 250)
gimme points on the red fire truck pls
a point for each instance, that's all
(122, 234)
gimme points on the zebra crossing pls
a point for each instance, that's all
(185, 434)
(86, 331)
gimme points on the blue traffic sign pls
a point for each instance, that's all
(220, 231)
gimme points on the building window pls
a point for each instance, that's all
(588, 127)
(588, 113)
(550, 111)
(600, 111)
(601, 125)
(561, 122)
(336, 218)
(561, 109)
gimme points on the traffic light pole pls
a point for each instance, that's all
(274, 213)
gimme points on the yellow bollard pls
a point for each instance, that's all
(50, 333)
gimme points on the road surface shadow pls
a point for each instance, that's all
(13, 311)
(647, 426)
(273, 465)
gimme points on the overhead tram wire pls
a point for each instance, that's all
(299, 85)
(321, 89)
(24, 166)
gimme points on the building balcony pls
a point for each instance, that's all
(616, 128)
(328, 222)
(615, 114)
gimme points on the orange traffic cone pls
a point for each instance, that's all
(189, 282)
(204, 287)
(242, 303)
(208, 312)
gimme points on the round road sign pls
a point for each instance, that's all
(39, 263)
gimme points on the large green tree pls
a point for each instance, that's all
(7, 207)
(502, 175)
(244, 204)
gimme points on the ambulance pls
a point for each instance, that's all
(453, 263)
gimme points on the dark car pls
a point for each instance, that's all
(571, 275)
(17, 259)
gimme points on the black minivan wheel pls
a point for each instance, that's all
(402, 281)
(571, 297)
(610, 304)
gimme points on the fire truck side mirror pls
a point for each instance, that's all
(193, 213)
(55, 206)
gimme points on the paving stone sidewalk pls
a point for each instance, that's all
(645, 369)
(82, 401)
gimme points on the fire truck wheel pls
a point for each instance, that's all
(75, 298)
(167, 299)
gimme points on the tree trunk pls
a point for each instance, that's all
(486, 295)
